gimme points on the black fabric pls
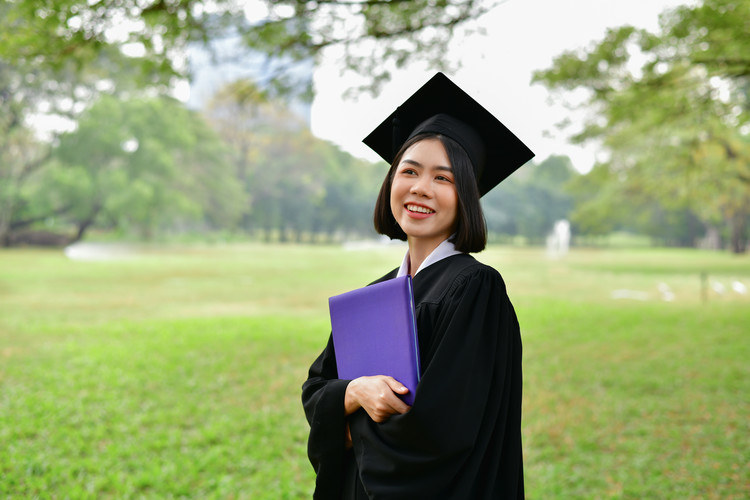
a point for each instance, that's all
(503, 154)
(457, 130)
(462, 437)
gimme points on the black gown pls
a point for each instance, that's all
(462, 437)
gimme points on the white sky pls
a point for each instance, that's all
(522, 36)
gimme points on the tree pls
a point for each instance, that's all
(530, 202)
(31, 85)
(351, 190)
(59, 56)
(676, 126)
(22, 154)
(237, 112)
(716, 33)
(19, 153)
(143, 164)
(154, 33)
(296, 183)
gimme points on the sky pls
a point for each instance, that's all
(523, 36)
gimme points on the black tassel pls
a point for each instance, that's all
(396, 134)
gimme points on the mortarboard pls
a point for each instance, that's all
(441, 106)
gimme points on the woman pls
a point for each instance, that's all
(461, 439)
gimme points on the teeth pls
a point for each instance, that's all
(416, 208)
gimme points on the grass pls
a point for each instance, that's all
(176, 371)
(194, 408)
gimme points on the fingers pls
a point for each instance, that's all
(395, 402)
(385, 405)
(395, 385)
(377, 395)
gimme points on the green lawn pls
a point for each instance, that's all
(176, 372)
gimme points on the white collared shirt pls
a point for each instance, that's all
(443, 250)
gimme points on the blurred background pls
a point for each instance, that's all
(210, 119)
(183, 184)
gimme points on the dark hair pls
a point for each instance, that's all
(471, 229)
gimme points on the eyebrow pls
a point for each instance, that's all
(417, 164)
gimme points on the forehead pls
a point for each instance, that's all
(430, 150)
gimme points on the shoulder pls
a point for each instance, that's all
(392, 274)
(453, 275)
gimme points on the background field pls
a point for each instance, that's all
(176, 372)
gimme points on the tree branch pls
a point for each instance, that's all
(33, 220)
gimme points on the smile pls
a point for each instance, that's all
(419, 209)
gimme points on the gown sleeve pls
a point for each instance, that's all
(461, 438)
(323, 401)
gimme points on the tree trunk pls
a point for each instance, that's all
(7, 206)
(5, 227)
(85, 224)
(739, 233)
(4, 237)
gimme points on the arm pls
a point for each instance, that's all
(377, 396)
(327, 400)
(323, 401)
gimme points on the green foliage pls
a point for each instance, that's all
(88, 36)
(296, 183)
(84, 36)
(58, 56)
(530, 202)
(143, 163)
(595, 213)
(149, 166)
(715, 29)
(671, 108)
(177, 371)
(20, 153)
(301, 184)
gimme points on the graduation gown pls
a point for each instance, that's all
(462, 437)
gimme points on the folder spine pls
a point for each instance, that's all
(413, 319)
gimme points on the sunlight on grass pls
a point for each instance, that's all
(176, 371)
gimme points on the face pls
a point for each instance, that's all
(423, 193)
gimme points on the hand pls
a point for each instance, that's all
(376, 395)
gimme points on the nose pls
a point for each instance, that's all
(422, 187)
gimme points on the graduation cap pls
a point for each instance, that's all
(440, 106)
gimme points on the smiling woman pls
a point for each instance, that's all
(462, 436)
(423, 197)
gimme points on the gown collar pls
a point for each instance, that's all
(442, 251)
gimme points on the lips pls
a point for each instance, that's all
(419, 209)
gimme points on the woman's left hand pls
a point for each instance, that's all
(377, 395)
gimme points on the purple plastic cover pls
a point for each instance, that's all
(375, 333)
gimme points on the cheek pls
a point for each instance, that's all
(449, 198)
(452, 202)
(396, 207)
(396, 197)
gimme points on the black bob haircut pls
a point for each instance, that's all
(470, 232)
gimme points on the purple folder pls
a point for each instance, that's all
(375, 333)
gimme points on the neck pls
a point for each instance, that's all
(419, 250)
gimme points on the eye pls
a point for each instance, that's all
(443, 178)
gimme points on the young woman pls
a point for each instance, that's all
(461, 439)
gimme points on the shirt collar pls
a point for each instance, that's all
(442, 251)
